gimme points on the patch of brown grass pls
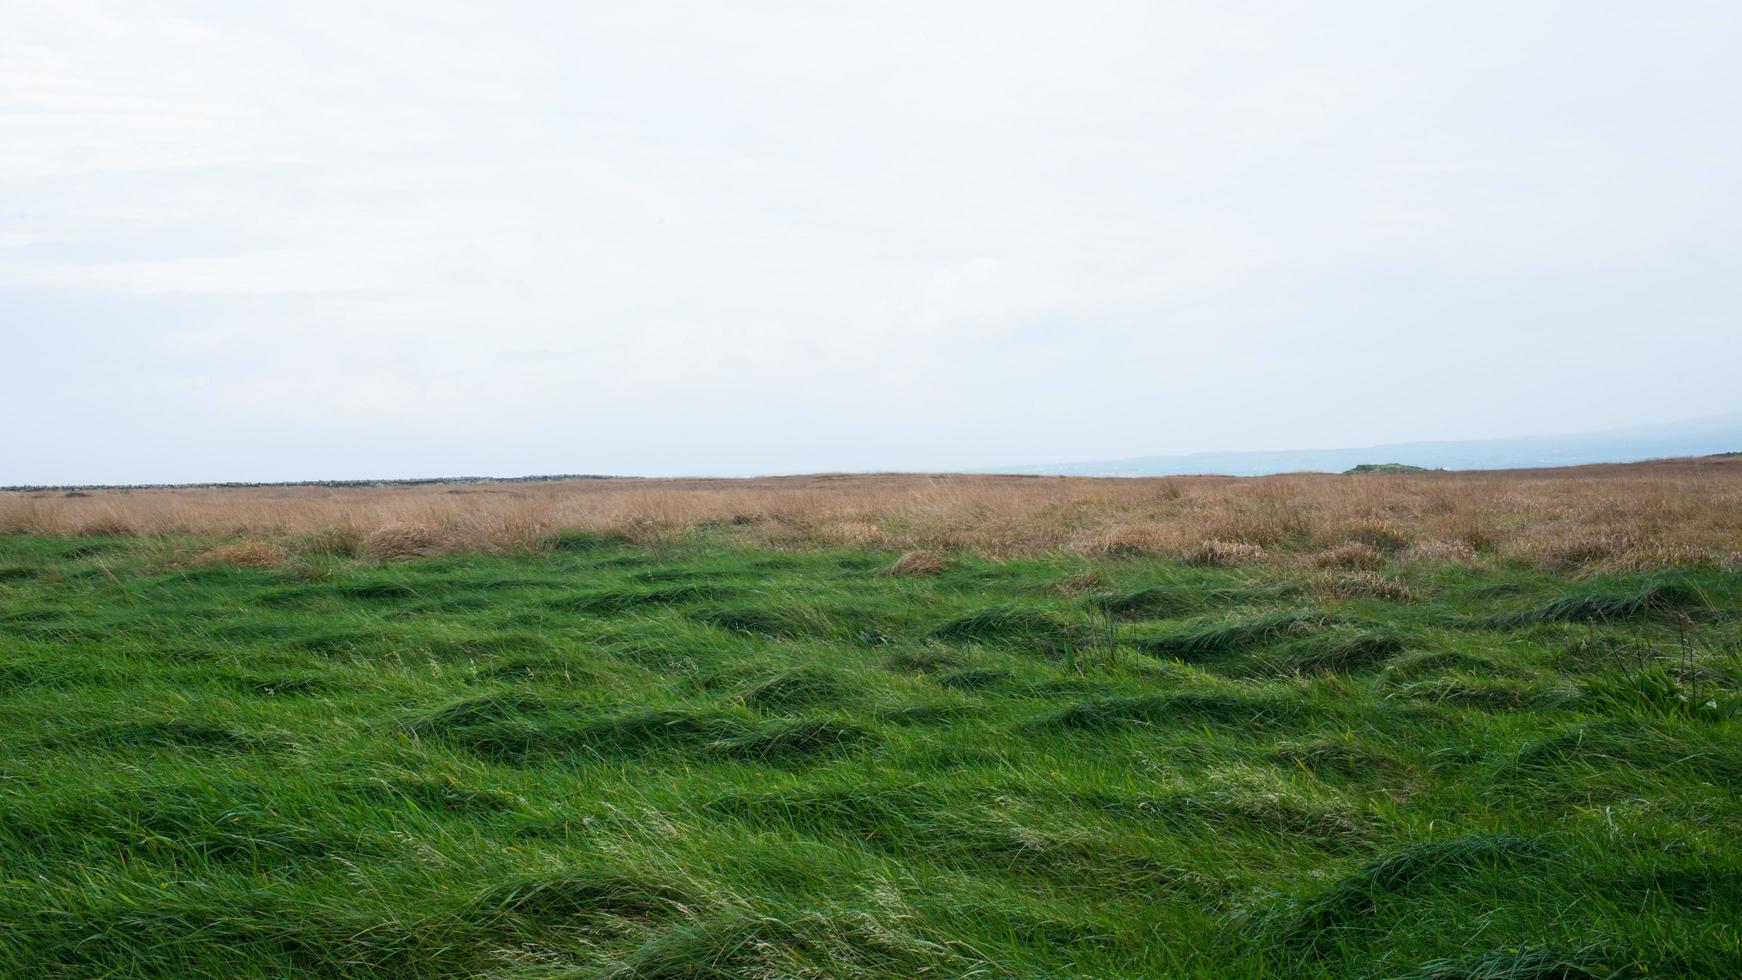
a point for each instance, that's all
(1436, 550)
(1224, 553)
(1381, 536)
(919, 563)
(1130, 541)
(857, 533)
(244, 554)
(1362, 585)
(1571, 556)
(1357, 555)
(396, 542)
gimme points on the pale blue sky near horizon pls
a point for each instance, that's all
(395, 239)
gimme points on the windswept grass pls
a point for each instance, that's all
(1349, 905)
(1584, 606)
(1205, 639)
(645, 754)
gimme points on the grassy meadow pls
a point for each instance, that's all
(1665, 513)
(299, 753)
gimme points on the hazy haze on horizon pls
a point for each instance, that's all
(331, 240)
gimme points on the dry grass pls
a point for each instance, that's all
(404, 540)
(920, 563)
(1435, 550)
(1355, 555)
(244, 554)
(1225, 553)
(1637, 516)
(1362, 585)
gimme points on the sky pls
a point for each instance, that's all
(251, 241)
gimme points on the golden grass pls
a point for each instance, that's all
(1218, 552)
(244, 554)
(1362, 585)
(1352, 555)
(1639, 516)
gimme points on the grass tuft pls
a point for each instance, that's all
(1014, 626)
(564, 899)
(1196, 707)
(1151, 603)
(800, 687)
(1530, 964)
(632, 598)
(972, 678)
(1352, 555)
(1215, 552)
(399, 542)
(781, 622)
(1339, 650)
(244, 554)
(1349, 905)
(1340, 758)
(1612, 607)
(919, 563)
(793, 739)
(1205, 639)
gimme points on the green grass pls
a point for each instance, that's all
(1384, 468)
(709, 762)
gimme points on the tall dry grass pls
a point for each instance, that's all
(1647, 515)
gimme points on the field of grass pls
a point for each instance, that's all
(1633, 517)
(699, 758)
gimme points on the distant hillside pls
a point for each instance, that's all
(1696, 437)
(1385, 468)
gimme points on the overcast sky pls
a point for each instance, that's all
(351, 239)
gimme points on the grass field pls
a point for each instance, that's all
(702, 759)
(1642, 516)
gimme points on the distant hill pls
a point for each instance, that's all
(1696, 437)
(1384, 468)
